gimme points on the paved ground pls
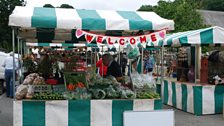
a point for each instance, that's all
(6, 111)
(187, 119)
(181, 118)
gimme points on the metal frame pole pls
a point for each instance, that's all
(162, 65)
(195, 63)
(13, 50)
(91, 56)
(86, 57)
(95, 55)
(119, 56)
(18, 46)
(102, 63)
(142, 61)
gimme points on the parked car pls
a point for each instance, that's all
(2, 70)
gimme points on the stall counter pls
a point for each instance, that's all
(193, 98)
(78, 112)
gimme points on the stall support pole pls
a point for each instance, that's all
(102, 63)
(142, 61)
(21, 56)
(95, 56)
(119, 56)
(86, 57)
(18, 47)
(13, 52)
(91, 57)
(162, 59)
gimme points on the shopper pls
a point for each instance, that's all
(8, 65)
(113, 68)
(149, 64)
(102, 68)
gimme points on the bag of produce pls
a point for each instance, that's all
(30, 78)
(128, 94)
(21, 91)
(30, 92)
(38, 81)
(132, 51)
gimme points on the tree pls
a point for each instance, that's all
(48, 5)
(217, 5)
(146, 8)
(183, 12)
(66, 6)
(6, 8)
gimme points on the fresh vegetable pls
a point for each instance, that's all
(148, 95)
(48, 96)
(80, 85)
(111, 92)
(70, 87)
(128, 94)
(98, 93)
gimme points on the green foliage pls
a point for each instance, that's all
(217, 5)
(66, 6)
(62, 6)
(183, 12)
(146, 8)
(6, 8)
(48, 5)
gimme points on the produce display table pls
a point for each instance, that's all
(78, 112)
(193, 98)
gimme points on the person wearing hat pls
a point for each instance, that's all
(8, 65)
(113, 68)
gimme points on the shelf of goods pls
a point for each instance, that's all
(193, 98)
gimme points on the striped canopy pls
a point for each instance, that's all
(58, 18)
(208, 36)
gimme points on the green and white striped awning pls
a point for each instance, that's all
(208, 36)
(58, 18)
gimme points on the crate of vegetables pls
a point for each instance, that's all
(58, 88)
(42, 88)
(74, 80)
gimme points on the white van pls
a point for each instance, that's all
(2, 70)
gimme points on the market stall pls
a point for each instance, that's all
(193, 91)
(56, 25)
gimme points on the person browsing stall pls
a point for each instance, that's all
(113, 68)
(102, 68)
(8, 65)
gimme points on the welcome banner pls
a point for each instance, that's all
(122, 40)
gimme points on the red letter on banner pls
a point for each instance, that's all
(121, 41)
(89, 38)
(109, 41)
(142, 39)
(153, 38)
(132, 41)
(99, 39)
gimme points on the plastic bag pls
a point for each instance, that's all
(21, 91)
(132, 51)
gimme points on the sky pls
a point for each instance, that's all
(95, 4)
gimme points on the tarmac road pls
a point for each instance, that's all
(181, 118)
(6, 111)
